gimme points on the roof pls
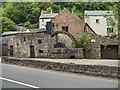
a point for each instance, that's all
(99, 13)
(48, 15)
(5, 39)
(10, 33)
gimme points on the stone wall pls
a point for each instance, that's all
(97, 70)
(67, 53)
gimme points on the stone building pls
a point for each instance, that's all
(103, 47)
(43, 45)
(67, 21)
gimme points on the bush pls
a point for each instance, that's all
(27, 24)
(82, 42)
(34, 26)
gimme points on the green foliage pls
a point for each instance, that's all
(27, 24)
(33, 26)
(82, 42)
(7, 24)
(20, 12)
(48, 10)
(105, 45)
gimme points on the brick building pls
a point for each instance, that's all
(67, 21)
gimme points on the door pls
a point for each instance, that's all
(110, 52)
(11, 50)
(32, 52)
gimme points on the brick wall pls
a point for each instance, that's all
(66, 18)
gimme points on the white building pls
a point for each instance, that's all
(101, 22)
(44, 18)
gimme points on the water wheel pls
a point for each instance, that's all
(63, 39)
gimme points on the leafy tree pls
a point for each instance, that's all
(27, 24)
(82, 42)
(7, 24)
(15, 11)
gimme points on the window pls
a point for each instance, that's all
(65, 28)
(109, 21)
(56, 24)
(42, 20)
(24, 38)
(109, 30)
(40, 51)
(97, 21)
(39, 41)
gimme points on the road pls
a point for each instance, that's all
(24, 77)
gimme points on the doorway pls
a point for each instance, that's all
(11, 50)
(32, 52)
(110, 52)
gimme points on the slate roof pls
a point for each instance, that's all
(99, 12)
(10, 33)
(48, 15)
(6, 36)
(5, 39)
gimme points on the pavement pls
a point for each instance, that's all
(104, 62)
(23, 77)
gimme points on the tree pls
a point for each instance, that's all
(27, 24)
(82, 42)
(7, 25)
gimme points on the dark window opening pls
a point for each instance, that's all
(59, 45)
(39, 41)
(24, 38)
(56, 24)
(97, 21)
(40, 51)
(65, 28)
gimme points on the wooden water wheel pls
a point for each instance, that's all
(63, 39)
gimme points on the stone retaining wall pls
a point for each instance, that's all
(97, 70)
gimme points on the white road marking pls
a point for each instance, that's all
(24, 84)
